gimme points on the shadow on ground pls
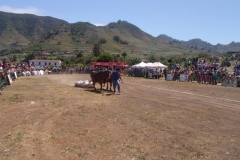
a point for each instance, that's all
(103, 91)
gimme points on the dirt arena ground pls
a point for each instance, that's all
(47, 118)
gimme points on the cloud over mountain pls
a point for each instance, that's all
(99, 24)
(29, 10)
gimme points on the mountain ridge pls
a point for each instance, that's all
(203, 45)
(18, 29)
(38, 33)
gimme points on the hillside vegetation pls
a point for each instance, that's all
(114, 38)
(21, 33)
(20, 29)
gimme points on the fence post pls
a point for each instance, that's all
(12, 76)
(3, 82)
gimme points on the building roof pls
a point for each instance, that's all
(38, 60)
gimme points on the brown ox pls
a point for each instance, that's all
(100, 77)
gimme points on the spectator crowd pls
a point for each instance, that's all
(212, 71)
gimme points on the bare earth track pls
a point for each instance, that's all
(47, 118)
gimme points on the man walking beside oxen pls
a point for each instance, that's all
(116, 77)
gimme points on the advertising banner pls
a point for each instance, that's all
(183, 77)
(169, 77)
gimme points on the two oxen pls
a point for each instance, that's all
(101, 77)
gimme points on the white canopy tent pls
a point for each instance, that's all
(140, 65)
(158, 65)
(149, 65)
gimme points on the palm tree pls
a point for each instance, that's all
(124, 55)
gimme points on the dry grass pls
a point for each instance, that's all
(46, 117)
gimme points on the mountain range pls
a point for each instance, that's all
(37, 33)
(198, 43)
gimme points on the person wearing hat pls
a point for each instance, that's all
(116, 76)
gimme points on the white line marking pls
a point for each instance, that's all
(170, 90)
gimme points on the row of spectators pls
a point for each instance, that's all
(198, 70)
(208, 76)
(7, 67)
(195, 63)
(14, 66)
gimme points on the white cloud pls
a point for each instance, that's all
(99, 24)
(30, 10)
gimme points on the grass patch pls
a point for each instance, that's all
(82, 155)
(15, 98)
(199, 154)
(17, 139)
(52, 137)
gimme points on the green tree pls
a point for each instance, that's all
(152, 58)
(66, 62)
(14, 58)
(123, 42)
(29, 56)
(72, 59)
(88, 59)
(162, 58)
(51, 58)
(132, 61)
(60, 57)
(96, 50)
(124, 55)
(102, 41)
(80, 54)
(116, 38)
(115, 57)
(105, 57)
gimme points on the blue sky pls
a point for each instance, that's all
(214, 21)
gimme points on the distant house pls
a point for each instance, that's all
(37, 62)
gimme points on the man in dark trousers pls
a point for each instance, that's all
(116, 76)
(165, 73)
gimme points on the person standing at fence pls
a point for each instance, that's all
(207, 77)
(201, 75)
(210, 74)
(116, 76)
(198, 75)
(214, 77)
(165, 73)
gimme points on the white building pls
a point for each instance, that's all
(37, 62)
